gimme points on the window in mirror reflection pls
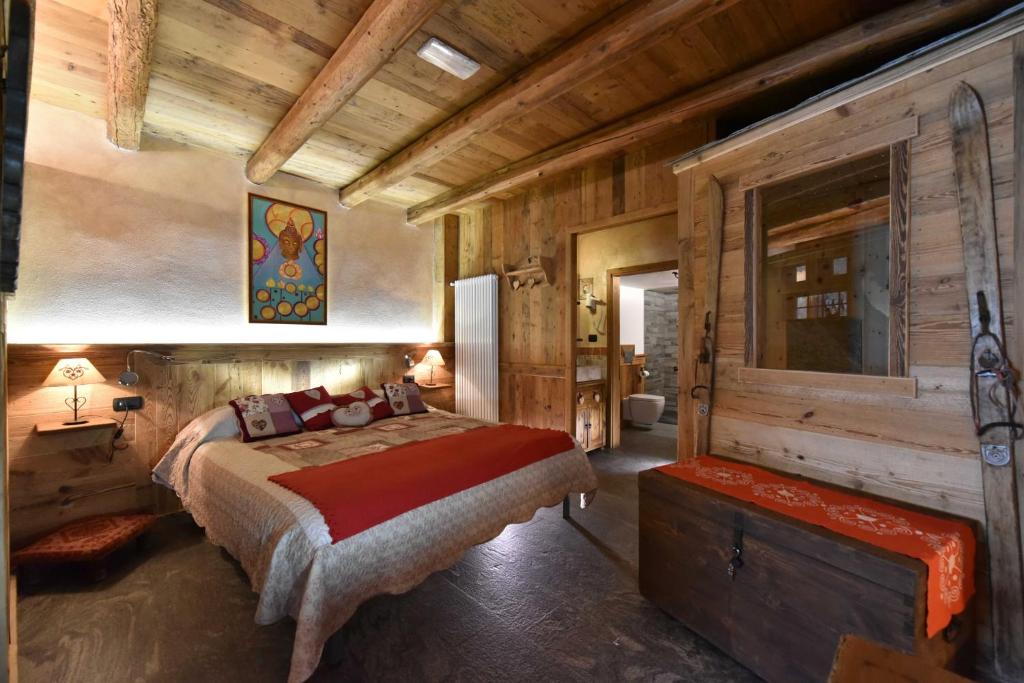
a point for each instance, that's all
(825, 269)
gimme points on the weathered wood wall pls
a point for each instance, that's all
(534, 327)
(56, 478)
(921, 450)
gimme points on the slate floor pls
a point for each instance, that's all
(545, 601)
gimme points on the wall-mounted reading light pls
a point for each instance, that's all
(409, 362)
(446, 57)
(129, 377)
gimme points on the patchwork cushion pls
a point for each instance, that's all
(379, 408)
(261, 417)
(405, 398)
(313, 406)
(355, 414)
(85, 539)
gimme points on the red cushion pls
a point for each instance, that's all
(379, 408)
(85, 539)
(313, 406)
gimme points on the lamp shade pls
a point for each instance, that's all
(73, 372)
(433, 358)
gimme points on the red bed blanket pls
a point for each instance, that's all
(354, 495)
(945, 545)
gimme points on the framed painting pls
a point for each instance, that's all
(287, 263)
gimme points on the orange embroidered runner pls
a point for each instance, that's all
(945, 546)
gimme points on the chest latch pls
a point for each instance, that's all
(736, 560)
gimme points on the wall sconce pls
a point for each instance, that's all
(409, 362)
(129, 377)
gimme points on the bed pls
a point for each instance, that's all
(285, 545)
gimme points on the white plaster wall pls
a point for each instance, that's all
(631, 317)
(127, 247)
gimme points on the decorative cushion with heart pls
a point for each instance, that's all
(379, 408)
(355, 414)
(261, 417)
(314, 407)
(405, 398)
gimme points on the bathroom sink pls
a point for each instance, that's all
(587, 373)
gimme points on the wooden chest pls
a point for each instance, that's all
(799, 589)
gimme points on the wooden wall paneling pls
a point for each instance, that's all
(447, 256)
(59, 478)
(687, 312)
(571, 306)
(753, 250)
(899, 255)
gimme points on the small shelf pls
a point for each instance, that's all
(439, 385)
(58, 427)
(905, 387)
(535, 270)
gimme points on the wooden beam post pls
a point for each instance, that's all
(895, 27)
(130, 35)
(612, 40)
(446, 270)
(384, 27)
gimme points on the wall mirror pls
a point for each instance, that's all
(823, 254)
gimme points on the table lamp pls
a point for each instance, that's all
(433, 359)
(73, 372)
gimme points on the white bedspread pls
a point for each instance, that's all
(284, 545)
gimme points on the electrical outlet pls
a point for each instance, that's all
(123, 403)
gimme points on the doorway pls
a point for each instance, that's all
(642, 360)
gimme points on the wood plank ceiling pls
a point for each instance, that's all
(225, 72)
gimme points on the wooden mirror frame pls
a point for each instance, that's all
(899, 229)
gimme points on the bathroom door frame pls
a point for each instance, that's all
(614, 411)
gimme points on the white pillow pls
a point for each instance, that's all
(353, 415)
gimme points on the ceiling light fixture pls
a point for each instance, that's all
(444, 56)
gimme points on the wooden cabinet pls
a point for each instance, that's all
(591, 424)
(800, 588)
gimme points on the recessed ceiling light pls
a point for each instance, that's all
(444, 56)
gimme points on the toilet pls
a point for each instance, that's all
(643, 410)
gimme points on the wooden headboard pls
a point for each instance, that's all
(56, 478)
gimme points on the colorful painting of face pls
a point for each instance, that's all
(287, 263)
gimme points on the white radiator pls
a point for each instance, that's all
(476, 347)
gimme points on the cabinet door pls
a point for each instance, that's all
(597, 419)
(582, 418)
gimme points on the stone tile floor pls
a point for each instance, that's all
(548, 600)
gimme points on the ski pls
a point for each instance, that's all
(993, 382)
(704, 372)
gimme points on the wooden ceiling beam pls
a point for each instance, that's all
(383, 28)
(871, 36)
(612, 40)
(130, 34)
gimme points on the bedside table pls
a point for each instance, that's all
(439, 395)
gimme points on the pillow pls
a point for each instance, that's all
(404, 398)
(261, 417)
(355, 414)
(313, 407)
(379, 408)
